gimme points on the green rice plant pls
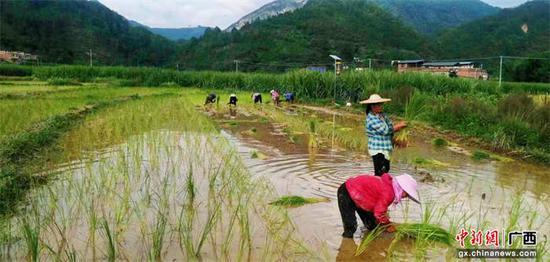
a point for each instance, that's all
(110, 236)
(254, 154)
(295, 201)
(313, 140)
(368, 238)
(542, 250)
(31, 234)
(423, 231)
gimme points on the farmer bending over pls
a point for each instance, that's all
(275, 97)
(257, 98)
(210, 99)
(233, 100)
(370, 196)
(289, 97)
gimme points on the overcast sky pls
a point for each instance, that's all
(221, 13)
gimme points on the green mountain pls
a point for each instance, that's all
(432, 16)
(426, 16)
(347, 28)
(64, 31)
(174, 34)
(519, 31)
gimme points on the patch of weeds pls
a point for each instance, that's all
(127, 83)
(296, 201)
(233, 123)
(254, 154)
(264, 120)
(439, 142)
(286, 130)
(293, 139)
(258, 155)
(479, 155)
(253, 130)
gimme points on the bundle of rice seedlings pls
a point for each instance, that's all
(295, 201)
(428, 232)
(413, 109)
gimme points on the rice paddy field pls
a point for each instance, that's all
(108, 167)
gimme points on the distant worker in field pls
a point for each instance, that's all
(275, 97)
(289, 97)
(380, 131)
(233, 100)
(210, 99)
(257, 98)
(370, 196)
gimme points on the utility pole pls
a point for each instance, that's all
(500, 74)
(91, 57)
(236, 65)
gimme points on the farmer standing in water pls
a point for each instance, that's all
(380, 130)
(370, 196)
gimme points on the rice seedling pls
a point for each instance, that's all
(427, 232)
(295, 201)
(31, 233)
(110, 237)
(254, 154)
(313, 141)
(368, 238)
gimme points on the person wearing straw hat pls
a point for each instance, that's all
(370, 196)
(380, 130)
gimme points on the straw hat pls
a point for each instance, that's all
(375, 99)
(408, 184)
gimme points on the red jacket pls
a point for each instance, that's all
(372, 193)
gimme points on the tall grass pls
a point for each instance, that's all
(305, 84)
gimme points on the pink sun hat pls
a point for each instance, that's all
(409, 185)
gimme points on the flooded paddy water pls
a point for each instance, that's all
(156, 180)
(458, 191)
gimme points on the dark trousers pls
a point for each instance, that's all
(381, 164)
(258, 99)
(347, 211)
